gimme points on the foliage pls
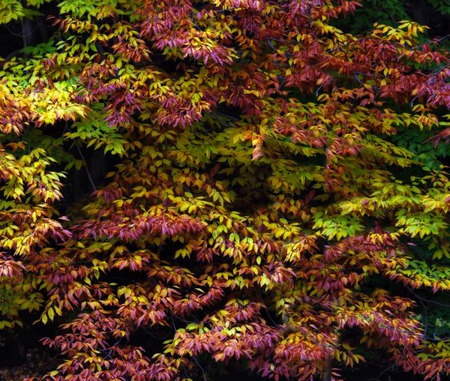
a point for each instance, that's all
(441, 5)
(261, 186)
(388, 12)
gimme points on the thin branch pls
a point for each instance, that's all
(441, 39)
(201, 368)
(425, 315)
(389, 368)
(425, 299)
(173, 323)
(87, 169)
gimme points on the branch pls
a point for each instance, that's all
(425, 299)
(87, 169)
(201, 368)
(425, 315)
(389, 368)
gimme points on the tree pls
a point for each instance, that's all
(258, 211)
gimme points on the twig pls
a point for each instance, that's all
(383, 372)
(201, 368)
(425, 315)
(425, 299)
(87, 169)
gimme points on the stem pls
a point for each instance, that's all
(87, 169)
(425, 299)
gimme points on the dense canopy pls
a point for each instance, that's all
(199, 188)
